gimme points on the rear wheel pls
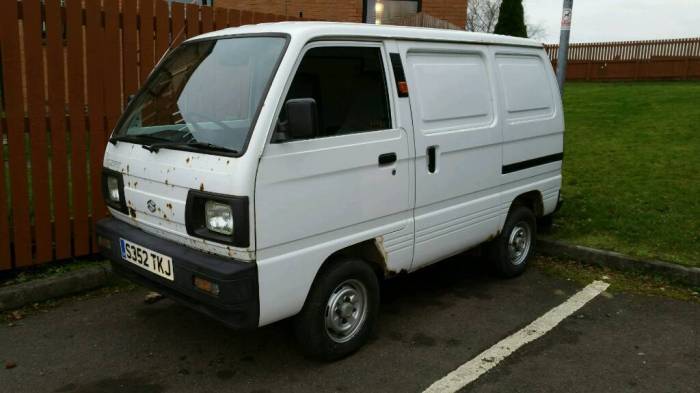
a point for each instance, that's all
(340, 311)
(510, 252)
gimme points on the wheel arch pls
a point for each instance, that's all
(371, 251)
(294, 285)
(532, 200)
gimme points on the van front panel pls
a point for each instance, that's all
(156, 187)
(186, 132)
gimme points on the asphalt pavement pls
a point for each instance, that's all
(431, 322)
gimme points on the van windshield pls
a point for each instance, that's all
(205, 95)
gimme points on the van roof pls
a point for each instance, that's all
(314, 30)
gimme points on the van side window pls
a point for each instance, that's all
(348, 86)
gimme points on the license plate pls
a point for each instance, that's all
(150, 260)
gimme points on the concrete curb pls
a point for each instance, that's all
(614, 260)
(19, 295)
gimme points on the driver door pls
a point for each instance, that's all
(352, 179)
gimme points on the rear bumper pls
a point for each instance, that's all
(237, 304)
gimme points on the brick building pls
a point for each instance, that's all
(367, 11)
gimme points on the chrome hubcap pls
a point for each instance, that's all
(346, 310)
(519, 243)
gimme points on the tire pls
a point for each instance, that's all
(511, 251)
(349, 323)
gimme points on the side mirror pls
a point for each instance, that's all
(302, 118)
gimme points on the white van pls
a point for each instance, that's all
(285, 169)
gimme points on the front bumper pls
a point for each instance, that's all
(237, 304)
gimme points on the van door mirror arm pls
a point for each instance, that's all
(280, 134)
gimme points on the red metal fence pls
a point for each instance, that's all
(66, 71)
(632, 60)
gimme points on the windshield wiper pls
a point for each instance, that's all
(144, 138)
(192, 144)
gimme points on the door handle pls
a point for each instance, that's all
(386, 159)
(431, 159)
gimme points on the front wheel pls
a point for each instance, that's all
(340, 311)
(510, 252)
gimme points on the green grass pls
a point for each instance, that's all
(632, 169)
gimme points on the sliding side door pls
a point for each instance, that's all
(458, 147)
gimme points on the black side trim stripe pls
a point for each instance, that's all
(519, 166)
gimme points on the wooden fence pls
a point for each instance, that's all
(632, 60)
(66, 71)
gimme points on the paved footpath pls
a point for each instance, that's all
(432, 322)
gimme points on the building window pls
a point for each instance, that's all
(385, 11)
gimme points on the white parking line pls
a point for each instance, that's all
(473, 369)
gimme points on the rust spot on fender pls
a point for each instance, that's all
(379, 242)
(166, 182)
(374, 251)
(187, 160)
(136, 184)
(169, 205)
(132, 213)
(201, 186)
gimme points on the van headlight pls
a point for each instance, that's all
(218, 217)
(113, 189)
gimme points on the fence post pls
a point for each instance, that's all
(589, 61)
(636, 62)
